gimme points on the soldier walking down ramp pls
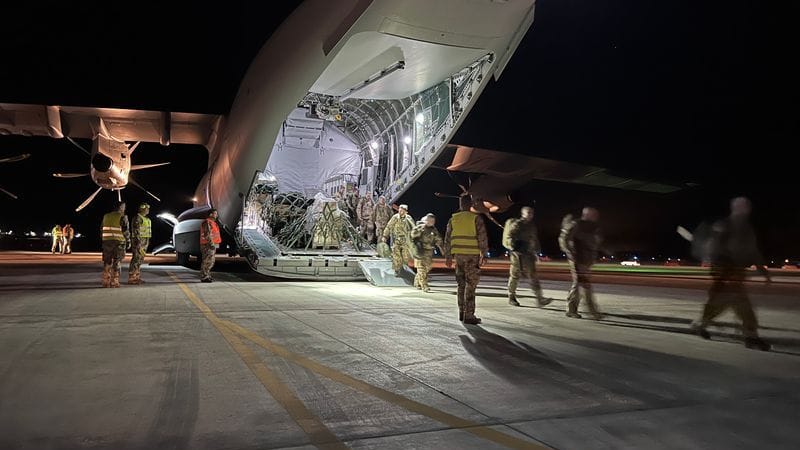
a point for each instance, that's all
(399, 228)
(366, 217)
(140, 239)
(423, 238)
(733, 248)
(581, 241)
(382, 215)
(116, 238)
(522, 240)
(210, 238)
(466, 241)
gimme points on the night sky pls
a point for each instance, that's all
(680, 91)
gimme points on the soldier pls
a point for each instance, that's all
(116, 238)
(366, 215)
(140, 239)
(56, 233)
(353, 200)
(424, 237)
(399, 228)
(522, 241)
(68, 234)
(581, 242)
(210, 238)
(733, 248)
(466, 240)
(382, 215)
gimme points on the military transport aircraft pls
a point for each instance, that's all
(346, 96)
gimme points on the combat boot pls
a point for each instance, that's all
(512, 300)
(115, 279)
(133, 278)
(758, 343)
(106, 277)
(543, 301)
(700, 330)
(425, 289)
(573, 315)
(472, 320)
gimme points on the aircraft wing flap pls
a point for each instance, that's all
(122, 124)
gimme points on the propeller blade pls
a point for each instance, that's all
(88, 200)
(119, 195)
(131, 181)
(9, 194)
(133, 147)
(147, 166)
(439, 194)
(79, 146)
(489, 215)
(15, 158)
(70, 175)
(686, 234)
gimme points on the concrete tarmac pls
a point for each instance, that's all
(248, 362)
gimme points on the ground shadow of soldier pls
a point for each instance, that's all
(517, 362)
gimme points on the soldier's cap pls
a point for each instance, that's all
(211, 211)
(404, 206)
(429, 216)
(144, 206)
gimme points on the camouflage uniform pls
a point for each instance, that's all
(468, 270)
(399, 228)
(424, 238)
(366, 215)
(114, 253)
(733, 248)
(208, 251)
(352, 200)
(382, 215)
(139, 246)
(522, 240)
(581, 243)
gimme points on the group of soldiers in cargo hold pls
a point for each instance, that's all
(731, 250)
(369, 217)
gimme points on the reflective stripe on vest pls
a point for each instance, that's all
(463, 235)
(145, 230)
(112, 230)
(215, 236)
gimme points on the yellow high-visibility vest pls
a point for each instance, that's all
(112, 231)
(463, 235)
(144, 230)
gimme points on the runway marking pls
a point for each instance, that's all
(321, 437)
(455, 422)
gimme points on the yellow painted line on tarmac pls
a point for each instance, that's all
(321, 437)
(469, 426)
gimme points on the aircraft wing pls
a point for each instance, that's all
(14, 158)
(504, 172)
(122, 124)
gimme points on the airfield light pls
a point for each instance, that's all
(194, 199)
(374, 145)
(786, 261)
(77, 235)
(407, 140)
(420, 118)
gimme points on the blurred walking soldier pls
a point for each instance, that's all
(67, 234)
(116, 238)
(56, 233)
(382, 215)
(140, 239)
(210, 238)
(466, 241)
(522, 240)
(733, 248)
(399, 228)
(424, 237)
(580, 240)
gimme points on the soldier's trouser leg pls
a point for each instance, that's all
(69, 246)
(585, 281)
(716, 303)
(744, 309)
(574, 297)
(137, 258)
(379, 227)
(55, 245)
(423, 269)
(513, 274)
(108, 259)
(468, 274)
(417, 276)
(118, 254)
(400, 254)
(536, 286)
(208, 255)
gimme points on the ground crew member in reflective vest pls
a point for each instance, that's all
(423, 238)
(141, 233)
(522, 241)
(56, 232)
(116, 238)
(466, 241)
(399, 228)
(210, 238)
